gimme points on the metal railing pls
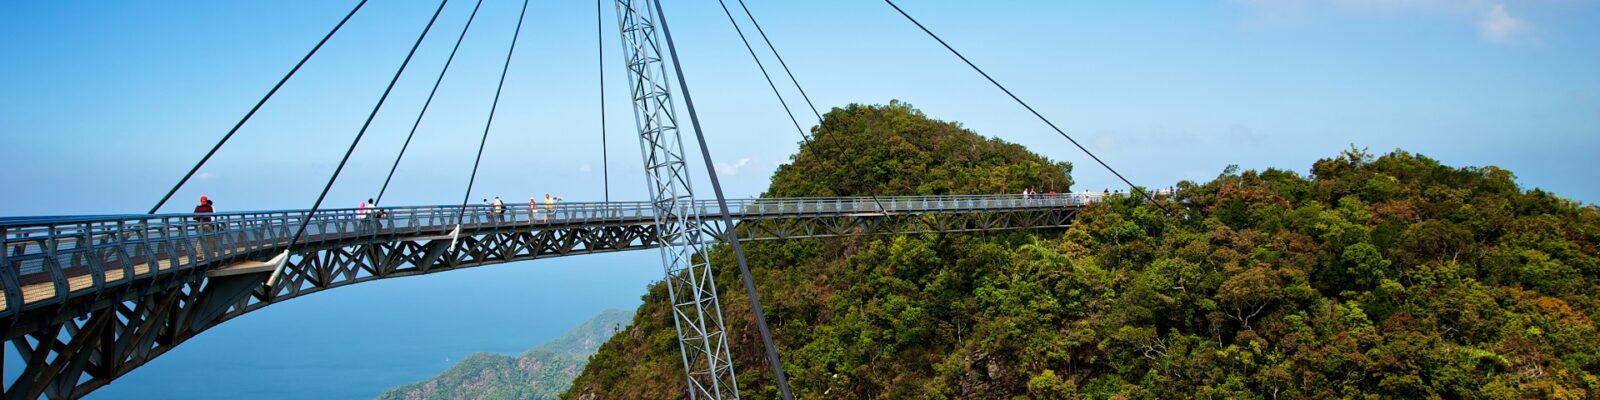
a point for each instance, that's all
(73, 255)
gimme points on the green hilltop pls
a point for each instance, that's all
(541, 373)
(1389, 276)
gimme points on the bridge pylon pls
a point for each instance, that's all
(685, 243)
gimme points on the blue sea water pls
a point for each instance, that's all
(356, 341)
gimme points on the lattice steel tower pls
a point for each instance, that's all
(685, 241)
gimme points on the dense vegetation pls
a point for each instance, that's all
(541, 373)
(1375, 277)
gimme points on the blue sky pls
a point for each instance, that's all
(106, 105)
(103, 106)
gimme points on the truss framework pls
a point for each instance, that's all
(71, 350)
(685, 244)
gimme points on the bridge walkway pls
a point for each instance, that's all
(45, 256)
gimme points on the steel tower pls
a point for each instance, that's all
(685, 240)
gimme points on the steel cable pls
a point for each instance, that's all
(370, 116)
(775, 92)
(1024, 104)
(460, 214)
(255, 108)
(600, 54)
(727, 220)
(821, 127)
(785, 65)
(429, 102)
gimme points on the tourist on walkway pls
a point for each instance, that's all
(549, 206)
(205, 225)
(204, 208)
(368, 212)
(497, 208)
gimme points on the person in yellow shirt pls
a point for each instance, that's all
(549, 206)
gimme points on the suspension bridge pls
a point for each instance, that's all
(87, 299)
(125, 289)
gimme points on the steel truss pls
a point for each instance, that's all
(75, 346)
(685, 244)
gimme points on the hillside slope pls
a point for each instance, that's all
(541, 373)
(1375, 277)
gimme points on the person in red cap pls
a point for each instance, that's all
(203, 208)
(205, 226)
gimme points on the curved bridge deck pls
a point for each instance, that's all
(105, 294)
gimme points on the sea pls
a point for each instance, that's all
(356, 341)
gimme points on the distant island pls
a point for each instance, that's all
(541, 373)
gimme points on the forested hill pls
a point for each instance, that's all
(896, 150)
(1375, 277)
(541, 373)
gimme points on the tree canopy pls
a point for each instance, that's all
(1388, 276)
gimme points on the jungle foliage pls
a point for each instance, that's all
(1388, 276)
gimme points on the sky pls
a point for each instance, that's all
(105, 105)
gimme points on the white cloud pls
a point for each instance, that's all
(585, 168)
(1499, 26)
(734, 168)
(205, 176)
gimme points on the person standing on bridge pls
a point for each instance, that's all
(205, 225)
(204, 208)
(497, 209)
(368, 212)
(549, 206)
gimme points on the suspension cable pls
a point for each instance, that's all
(600, 53)
(785, 65)
(461, 213)
(821, 126)
(255, 108)
(324, 195)
(727, 220)
(1030, 108)
(429, 102)
(775, 92)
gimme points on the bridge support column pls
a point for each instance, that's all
(684, 241)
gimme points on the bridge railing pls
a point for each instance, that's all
(47, 258)
(909, 203)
